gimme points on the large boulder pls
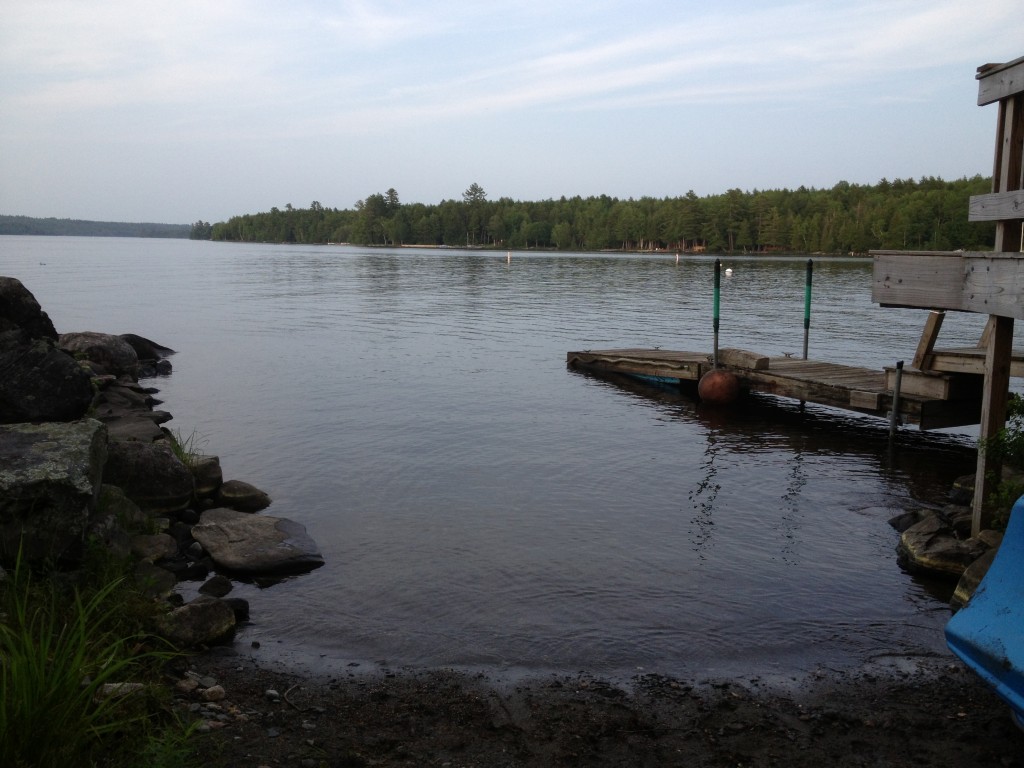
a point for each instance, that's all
(256, 544)
(49, 480)
(38, 382)
(20, 311)
(110, 353)
(150, 475)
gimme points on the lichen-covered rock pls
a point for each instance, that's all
(931, 545)
(150, 475)
(111, 353)
(971, 578)
(256, 544)
(49, 481)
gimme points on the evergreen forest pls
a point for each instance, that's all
(27, 225)
(903, 214)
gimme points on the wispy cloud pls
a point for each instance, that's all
(246, 76)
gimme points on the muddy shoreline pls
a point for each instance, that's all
(931, 712)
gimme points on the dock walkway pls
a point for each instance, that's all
(929, 400)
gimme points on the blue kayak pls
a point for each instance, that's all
(988, 633)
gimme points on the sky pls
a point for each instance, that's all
(180, 111)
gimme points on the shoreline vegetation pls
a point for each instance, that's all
(902, 214)
(27, 225)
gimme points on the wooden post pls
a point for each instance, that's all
(1000, 84)
(993, 414)
(922, 357)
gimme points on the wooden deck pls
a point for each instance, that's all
(838, 386)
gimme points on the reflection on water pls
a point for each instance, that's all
(479, 504)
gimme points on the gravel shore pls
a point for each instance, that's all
(936, 714)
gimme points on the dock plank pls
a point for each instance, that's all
(836, 385)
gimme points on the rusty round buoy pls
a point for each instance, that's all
(718, 387)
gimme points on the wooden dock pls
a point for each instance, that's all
(930, 400)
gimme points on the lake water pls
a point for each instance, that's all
(478, 504)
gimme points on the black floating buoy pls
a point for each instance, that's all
(718, 387)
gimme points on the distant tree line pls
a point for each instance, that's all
(26, 225)
(928, 214)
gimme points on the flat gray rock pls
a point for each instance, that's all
(256, 544)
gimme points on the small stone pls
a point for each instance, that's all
(214, 693)
(217, 586)
(273, 733)
(186, 686)
(271, 693)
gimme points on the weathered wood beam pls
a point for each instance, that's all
(996, 206)
(987, 283)
(997, 81)
(970, 360)
(994, 284)
(926, 279)
(930, 333)
(993, 416)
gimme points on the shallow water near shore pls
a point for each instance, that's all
(482, 507)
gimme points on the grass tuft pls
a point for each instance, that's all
(188, 448)
(57, 652)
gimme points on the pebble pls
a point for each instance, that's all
(270, 693)
(273, 733)
(214, 693)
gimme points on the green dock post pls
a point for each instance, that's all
(807, 304)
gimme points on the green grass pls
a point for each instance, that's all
(188, 448)
(58, 649)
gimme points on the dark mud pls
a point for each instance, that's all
(935, 714)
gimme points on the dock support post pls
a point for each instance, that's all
(993, 415)
(718, 293)
(894, 415)
(807, 304)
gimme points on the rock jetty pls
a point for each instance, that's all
(84, 459)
